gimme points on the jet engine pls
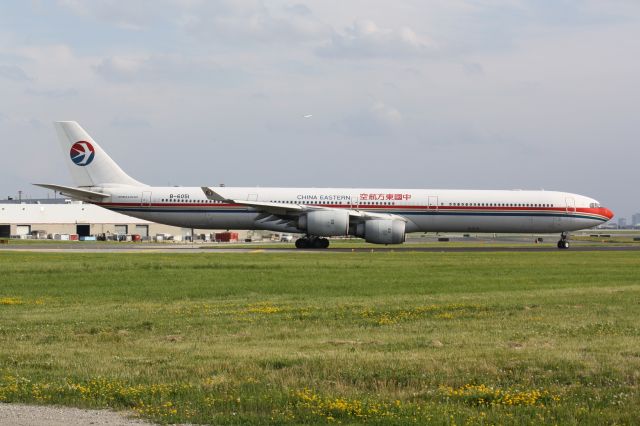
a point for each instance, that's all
(382, 231)
(325, 223)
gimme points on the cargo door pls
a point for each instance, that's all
(23, 230)
(143, 231)
(83, 230)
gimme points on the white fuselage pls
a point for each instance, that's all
(380, 216)
(425, 210)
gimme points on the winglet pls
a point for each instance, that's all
(213, 195)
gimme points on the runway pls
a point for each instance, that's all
(408, 248)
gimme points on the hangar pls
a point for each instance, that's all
(61, 219)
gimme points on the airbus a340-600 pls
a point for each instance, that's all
(380, 216)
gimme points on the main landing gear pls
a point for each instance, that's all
(564, 241)
(312, 242)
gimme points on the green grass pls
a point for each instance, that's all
(386, 338)
(614, 239)
(427, 242)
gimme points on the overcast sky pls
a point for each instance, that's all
(486, 94)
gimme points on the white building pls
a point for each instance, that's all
(74, 218)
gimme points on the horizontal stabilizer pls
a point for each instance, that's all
(77, 193)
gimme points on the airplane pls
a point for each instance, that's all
(379, 216)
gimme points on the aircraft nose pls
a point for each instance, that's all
(608, 213)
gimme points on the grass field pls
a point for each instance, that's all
(386, 338)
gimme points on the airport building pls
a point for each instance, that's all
(65, 219)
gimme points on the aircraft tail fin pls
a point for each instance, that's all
(88, 163)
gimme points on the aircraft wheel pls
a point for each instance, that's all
(325, 243)
(302, 243)
(318, 243)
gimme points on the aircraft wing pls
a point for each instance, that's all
(274, 208)
(293, 209)
(77, 193)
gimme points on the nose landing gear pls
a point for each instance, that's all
(564, 241)
(312, 242)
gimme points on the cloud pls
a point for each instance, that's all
(299, 9)
(153, 68)
(366, 39)
(386, 114)
(21, 121)
(78, 7)
(14, 72)
(52, 66)
(378, 120)
(52, 93)
(473, 68)
(135, 15)
(130, 122)
(120, 68)
(250, 22)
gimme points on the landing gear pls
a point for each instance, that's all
(312, 242)
(564, 241)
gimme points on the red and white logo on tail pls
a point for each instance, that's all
(82, 153)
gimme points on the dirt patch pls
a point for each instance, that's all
(37, 415)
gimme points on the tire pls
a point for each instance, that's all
(317, 243)
(565, 245)
(325, 243)
(302, 243)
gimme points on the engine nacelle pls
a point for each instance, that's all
(325, 223)
(384, 231)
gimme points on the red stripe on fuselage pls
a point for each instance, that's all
(598, 211)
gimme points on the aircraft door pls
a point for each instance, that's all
(571, 205)
(146, 198)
